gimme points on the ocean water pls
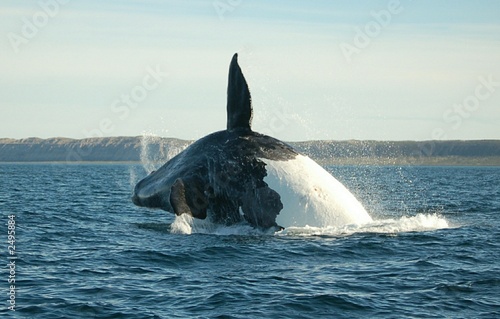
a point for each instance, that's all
(83, 250)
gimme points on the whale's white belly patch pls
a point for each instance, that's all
(311, 196)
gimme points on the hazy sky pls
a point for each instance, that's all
(383, 70)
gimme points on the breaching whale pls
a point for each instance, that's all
(238, 175)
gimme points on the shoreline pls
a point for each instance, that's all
(134, 150)
(402, 162)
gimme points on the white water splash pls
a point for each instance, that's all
(417, 223)
(155, 151)
(133, 177)
(188, 225)
(150, 158)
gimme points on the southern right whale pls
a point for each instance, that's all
(238, 175)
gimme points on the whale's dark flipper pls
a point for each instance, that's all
(187, 197)
(239, 104)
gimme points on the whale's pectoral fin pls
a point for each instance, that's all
(187, 197)
(261, 206)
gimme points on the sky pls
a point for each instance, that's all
(341, 70)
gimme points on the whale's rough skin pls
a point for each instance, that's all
(221, 175)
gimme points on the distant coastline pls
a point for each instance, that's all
(353, 152)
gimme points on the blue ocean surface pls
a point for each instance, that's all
(83, 250)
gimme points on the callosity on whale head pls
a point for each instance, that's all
(238, 175)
